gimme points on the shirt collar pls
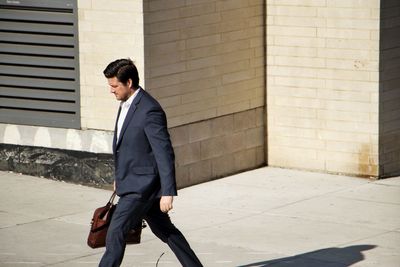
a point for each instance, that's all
(128, 102)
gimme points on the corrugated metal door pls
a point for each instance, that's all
(39, 71)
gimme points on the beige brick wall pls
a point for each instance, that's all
(204, 59)
(107, 30)
(218, 147)
(323, 85)
(389, 99)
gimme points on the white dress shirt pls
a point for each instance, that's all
(125, 105)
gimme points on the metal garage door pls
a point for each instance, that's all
(39, 63)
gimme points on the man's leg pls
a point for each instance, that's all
(129, 211)
(161, 225)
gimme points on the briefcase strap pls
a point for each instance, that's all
(111, 201)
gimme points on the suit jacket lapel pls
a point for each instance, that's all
(129, 116)
(115, 130)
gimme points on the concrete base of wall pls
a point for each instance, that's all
(67, 165)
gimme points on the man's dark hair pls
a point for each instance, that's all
(123, 69)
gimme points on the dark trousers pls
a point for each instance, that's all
(129, 212)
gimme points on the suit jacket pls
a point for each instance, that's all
(143, 155)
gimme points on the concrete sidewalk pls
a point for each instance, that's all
(265, 217)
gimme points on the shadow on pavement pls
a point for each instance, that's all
(328, 257)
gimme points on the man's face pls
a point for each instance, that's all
(120, 90)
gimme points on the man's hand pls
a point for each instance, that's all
(166, 203)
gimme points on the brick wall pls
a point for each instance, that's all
(218, 147)
(322, 85)
(389, 99)
(204, 59)
(205, 63)
(107, 31)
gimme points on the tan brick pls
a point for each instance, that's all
(298, 142)
(203, 19)
(255, 137)
(353, 3)
(199, 131)
(195, 10)
(352, 64)
(298, 102)
(292, 71)
(200, 171)
(297, 61)
(187, 153)
(348, 147)
(292, 31)
(291, 153)
(237, 66)
(232, 108)
(348, 106)
(261, 156)
(338, 135)
(162, 15)
(291, 51)
(235, 97)
(214, 147)
(260, 116)
(335, 12)
(238, 76)
(299, 21)
(232, 4)
(343, 115)
(244, 120)
(293, 11)
(299, 41)
(167, 70)
(203, 41)
(309, 123)
(300, 2)
(179, 135)
(246, 159)
(182, 176)
(222, 125)
(293, 91)
(203, 62)
(343, 53)
(235, 142)
(351, 44)
(352, 23)
(298, 112)
(190, 117)
(165, 4)
(291, 131)
(223, 165)
(84, 4)
(300, 81)
(344, 33)
(171, 36)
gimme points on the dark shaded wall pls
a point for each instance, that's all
(205, 63)
(389, 89)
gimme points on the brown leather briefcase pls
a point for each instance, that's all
(99, 226)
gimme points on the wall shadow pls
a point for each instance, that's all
(328, 257)
(389, 89)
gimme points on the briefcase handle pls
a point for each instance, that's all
(111, 201)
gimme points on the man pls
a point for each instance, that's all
(144, 168)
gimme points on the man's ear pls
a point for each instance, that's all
(130, 83)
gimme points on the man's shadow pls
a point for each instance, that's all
(328, 257)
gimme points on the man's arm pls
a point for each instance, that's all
(158, 136)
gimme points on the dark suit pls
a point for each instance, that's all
(144, 171)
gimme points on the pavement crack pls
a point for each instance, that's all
(74, 258)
